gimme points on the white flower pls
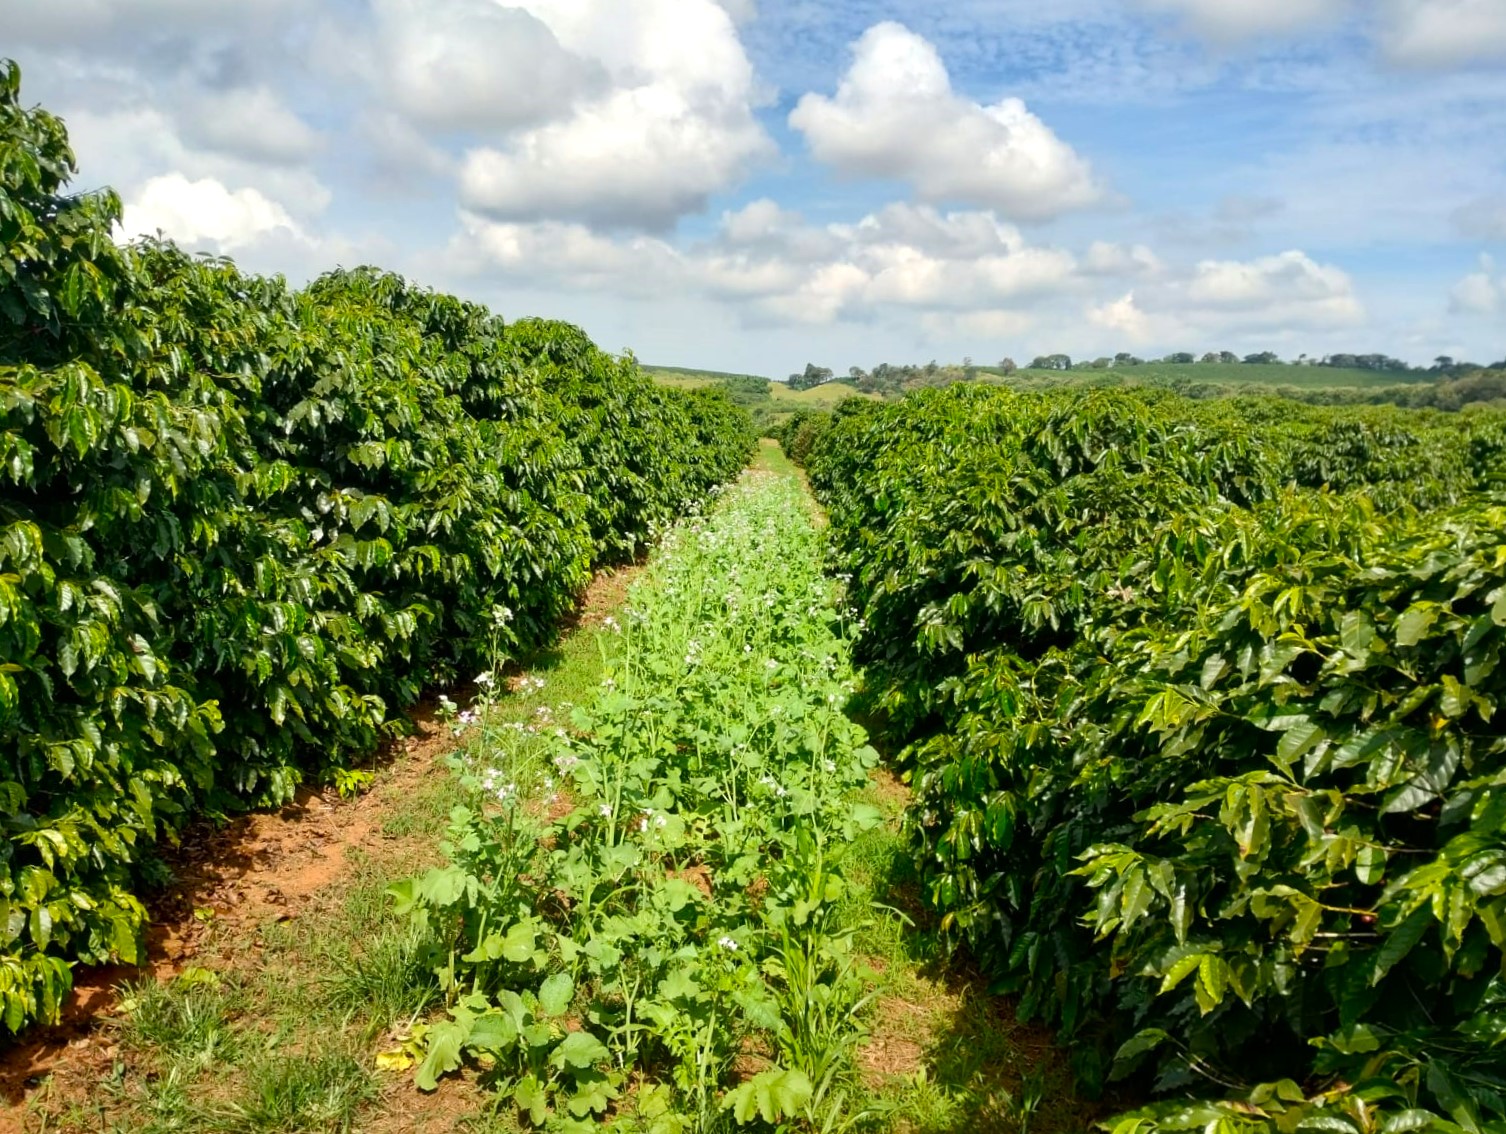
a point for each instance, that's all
(484, 679)
(606, 811)
(727, 943)
(771, 664)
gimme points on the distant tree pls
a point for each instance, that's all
(812, 377)
(969, 370)
(1181, 358)
(1443, 362)
(1008, 365)
(1101, 363)
(1211, 356)
(1366, 362)
(856, 374)
(1125, 358)
(1052, 362)
(1227, 357)
(1264, 358)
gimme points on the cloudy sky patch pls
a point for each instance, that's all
(752, 185)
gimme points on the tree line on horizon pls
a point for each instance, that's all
(893, 379)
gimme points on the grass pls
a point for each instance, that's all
(823, 396)
(694, 376)
(942, 1055)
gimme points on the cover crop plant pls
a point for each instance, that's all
(614, 951)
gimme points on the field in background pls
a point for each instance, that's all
(769, 402)
(773, 401)
(1231, 374)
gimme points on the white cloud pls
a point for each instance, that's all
(1108, 259)
(965, 273)
(1475, 294)
(900, 257)
(1478, 293)
(1443, 33)
(895, 115)
(675, 127)
(568, 254)
(253, 123)
(1229, 21)
(993, 326)
(127, 148)
(1123, 317)
(1285, 290)
(205, 212)
(474, 64)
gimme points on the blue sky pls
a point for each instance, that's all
(754, 184)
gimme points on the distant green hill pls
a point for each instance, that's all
(1227, 374)
(689, 377)
(769, 402)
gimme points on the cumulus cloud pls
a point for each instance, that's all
(1290, 289)
(903, 256)
(253, 123)
(1105, 258)
(474, 64)
(895, 115)
(675, 125)
(127, 148)
(205, 212)
(1478, 293)
(1123, 317)
(1264, 301)
(1230, 21)
(1442, 33)
(964, 272)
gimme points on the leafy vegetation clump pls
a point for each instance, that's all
(242, 527)
(1201, 710)
(641, 916)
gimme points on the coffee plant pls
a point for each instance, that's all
(243, 527)
(1200, 706)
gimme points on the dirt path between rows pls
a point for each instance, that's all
(259, 868)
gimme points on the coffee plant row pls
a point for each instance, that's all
(637, 902)
(243, 526)
(1199, 702)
